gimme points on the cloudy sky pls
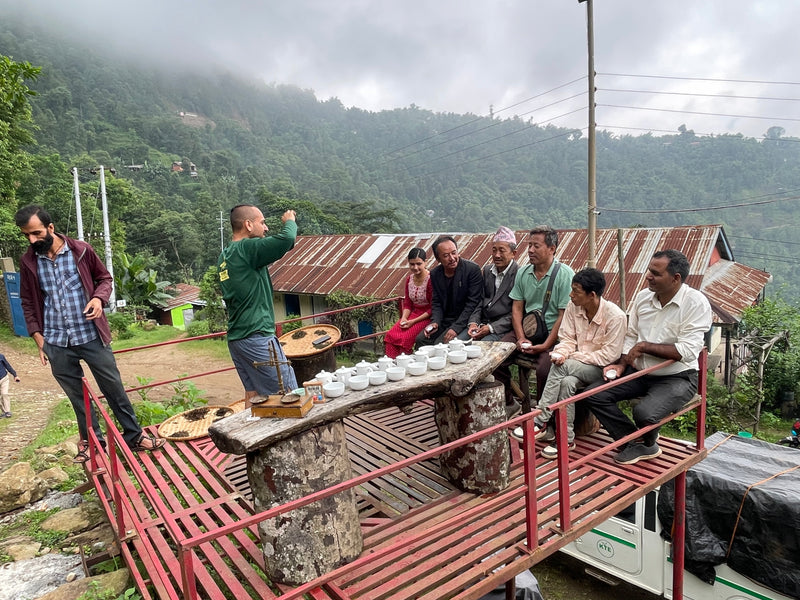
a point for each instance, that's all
(660, 64)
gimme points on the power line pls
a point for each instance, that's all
(696, 133)
(769, 257)
(493, 124)
(761, 82)
(489, 140)
(743, 237)
(695, 112)
(695, 94)
(702, 209)
(551, 90)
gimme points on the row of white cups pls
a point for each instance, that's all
(386, 369)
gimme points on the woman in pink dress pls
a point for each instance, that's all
(416, 307)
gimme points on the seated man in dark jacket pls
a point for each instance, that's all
(491, 320)
(457, 290)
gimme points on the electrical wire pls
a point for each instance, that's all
(695, 112)
(698, 95)
(702, 209)
(756, 81)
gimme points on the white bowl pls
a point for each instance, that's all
(459, 356)
(358, 382)
(377, 378)
(473, 351)
(417, 368)
(437, 362)
(334, 389)
(429, 350)
(395, 373)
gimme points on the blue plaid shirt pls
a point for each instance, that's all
(64, 301)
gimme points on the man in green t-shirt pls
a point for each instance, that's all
(528, 293)
(247, 291)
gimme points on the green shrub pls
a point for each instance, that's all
(119, 323)
(197, 327)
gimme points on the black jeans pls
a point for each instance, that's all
(65, 364)
(660, 396)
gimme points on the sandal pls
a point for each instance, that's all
(150, 443)
(81, 457)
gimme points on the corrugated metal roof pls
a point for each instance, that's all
(375, 265)
(187, 294)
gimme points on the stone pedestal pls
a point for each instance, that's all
(308, 542)
(481, 467)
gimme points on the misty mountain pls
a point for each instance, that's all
(186, 144)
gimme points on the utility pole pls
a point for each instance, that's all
(592, 168)
(221, 232)
(78, 213)
(112, 301)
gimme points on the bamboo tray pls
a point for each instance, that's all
(299, 343)
(192, 424)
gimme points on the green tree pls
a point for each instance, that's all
(211, 294)
(15, 132)
(138, 284)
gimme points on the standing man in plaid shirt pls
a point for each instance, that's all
(64, 286)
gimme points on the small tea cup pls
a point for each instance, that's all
(358, 382)
(334, 389)
(459, 356)
(395, 373)
(420, 356)
(385, 362)
(377, 378)
(417, 368)
(473, 351)
(435, 363)
(440, 350)
(324, 377)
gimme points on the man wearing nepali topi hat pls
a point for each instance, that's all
(491, 319)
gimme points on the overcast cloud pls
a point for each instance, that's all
(464, 55)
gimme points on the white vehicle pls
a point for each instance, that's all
(629, 546)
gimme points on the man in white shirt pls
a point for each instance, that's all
(668, 320)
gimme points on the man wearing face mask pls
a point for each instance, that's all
(63, 287)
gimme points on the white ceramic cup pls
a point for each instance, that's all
(459, 356)
(334, 389)
(395, 373)
(377, 378)
(611, 374)
(358, 382)
(473, 351)
(429, 350)
(437, 362)
(556, 356)
(417, 368)
(403, 360)
(420, 356)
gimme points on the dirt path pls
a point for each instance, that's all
(37, 393)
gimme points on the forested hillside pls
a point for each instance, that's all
(350, 170)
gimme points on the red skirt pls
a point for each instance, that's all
(397, 340)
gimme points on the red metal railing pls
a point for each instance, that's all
(186, 544)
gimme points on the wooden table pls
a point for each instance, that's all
(291, 458)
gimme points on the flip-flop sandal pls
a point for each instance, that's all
(155, 442)
(81, 457)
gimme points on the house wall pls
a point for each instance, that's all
(176, 316)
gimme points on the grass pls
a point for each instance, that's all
(21, 344)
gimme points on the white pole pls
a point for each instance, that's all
(112, 301)
(78, 213)
(221, 232)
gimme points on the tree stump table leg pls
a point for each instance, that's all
(484, 466)
(305, 543)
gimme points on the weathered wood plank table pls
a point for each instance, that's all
(291, 458)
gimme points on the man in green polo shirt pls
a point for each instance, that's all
(528, 294)
(247, 291)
